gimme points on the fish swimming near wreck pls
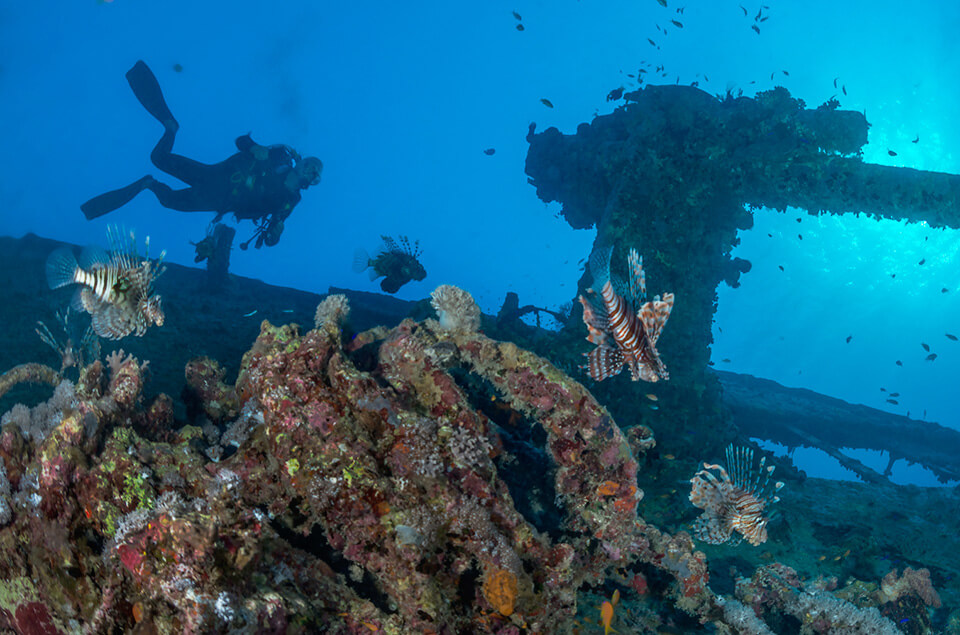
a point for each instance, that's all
(398, 263)
(735, 502)
(624, 326)
(115, 288)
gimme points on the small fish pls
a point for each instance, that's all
(899, 363)
(844, 89)
(251, 313)
(891, 153)
(781, 267)
(606, 616)
(755, 28)
(546, 102)
(849, 337)
(785, 73)
(944, 290)
(894, 394)
(922, 260)
(177, 68)
(882, 389)
(287, 311)
(951, 336)
(490, 151)
(926, 347)
(651, 396)
(835, 79)
(917, 140)
(615, 94)
(800, 236)
(669, 457)
(516, 16)
(519, 27)
(930, 357)
(677, 24)
(764, 19)
(398, 263)
(893, 401)
(652, 43)
(822, 558)
(725, 360)
(744, 9)
(663, 3)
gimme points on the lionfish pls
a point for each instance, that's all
(734, 502)
(399, 263)
(116, 288)
(623, 325)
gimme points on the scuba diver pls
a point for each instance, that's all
(259, 183)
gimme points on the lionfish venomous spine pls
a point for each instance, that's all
(736, 501)
(623, 325)
(116, 288)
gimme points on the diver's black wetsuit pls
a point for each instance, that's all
(242, 184)
(258, 183)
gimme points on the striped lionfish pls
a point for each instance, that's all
(623, 325)
(116, 288)
(734, 502)
(399, 263)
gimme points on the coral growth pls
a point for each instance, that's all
(456, 309)
(332, 312)
(366, 488)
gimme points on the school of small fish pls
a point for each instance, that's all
(115, 288)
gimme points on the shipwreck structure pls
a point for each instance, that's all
(675, 171)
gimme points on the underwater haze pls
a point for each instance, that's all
(400, 101)
(439, 477)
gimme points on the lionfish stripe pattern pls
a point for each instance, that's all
(734, 501)
(623, 325)
(116, 288)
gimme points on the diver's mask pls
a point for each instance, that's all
(309, 171)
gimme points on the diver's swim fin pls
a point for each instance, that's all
(146, 88)
(109, 201)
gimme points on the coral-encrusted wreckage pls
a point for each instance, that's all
(362, 486)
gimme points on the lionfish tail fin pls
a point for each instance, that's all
(600, 265)
(361, 259)
(61, 268)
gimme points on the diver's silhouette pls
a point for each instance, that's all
(259, 183)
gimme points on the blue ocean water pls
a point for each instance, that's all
(400, 100)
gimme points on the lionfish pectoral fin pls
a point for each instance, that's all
(661, 309)
(603, 362)
(112, 323)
